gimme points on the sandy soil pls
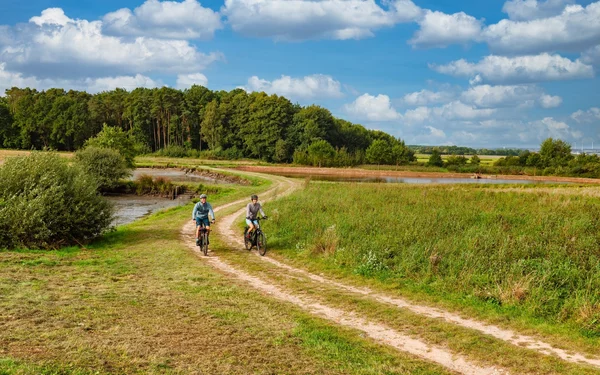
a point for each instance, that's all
(377, 332)
(357, 173)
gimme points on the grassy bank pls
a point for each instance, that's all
(528, 255)
(139, 302)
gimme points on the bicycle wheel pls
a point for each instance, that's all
(247, 241)
(205, 244)
(261, 243)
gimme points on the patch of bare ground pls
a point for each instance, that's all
(217, 176)
(378, 332)
(357, 173)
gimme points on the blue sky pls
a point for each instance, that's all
(482, 74)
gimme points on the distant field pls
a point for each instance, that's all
(4, 154)
(485, 159)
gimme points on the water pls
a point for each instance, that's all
(175, 175)
(129, 208)
(422, 180)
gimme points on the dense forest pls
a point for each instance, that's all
(230, 124)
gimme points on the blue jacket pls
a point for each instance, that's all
(202, 210)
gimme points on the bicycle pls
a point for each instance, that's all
(203, 240)
(257, 238)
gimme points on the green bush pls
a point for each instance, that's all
(107, 165)
(116, 138)
(173, 152)
(45, 203)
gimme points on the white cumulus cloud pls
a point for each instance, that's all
(549, 101)
(592, 56)
(324, 19)
(185, 81)
(313, 86)
(453, 111)
(592, 115)
(51, 16)
(550, 127)
(53, 45)
(575, 29)
(128, 83)
(10, 79)
(440, 30)
(488, 96)
(372, 108)
(520, 69)
(524, 10)
(164, 19)
(425, 97)
(437, 133)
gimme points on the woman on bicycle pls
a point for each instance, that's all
(252, 210)
(200, 214)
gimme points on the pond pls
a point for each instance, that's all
(129, 208)
(175, 175)
(421, 180)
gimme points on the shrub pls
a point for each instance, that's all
(45, 203)
(173, 152)
(435, 159)
(115, 138)
(144, 184)
(108, 166)
(456, 160)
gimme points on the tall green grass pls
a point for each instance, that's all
(531, 253)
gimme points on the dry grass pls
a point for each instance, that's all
(4, 154)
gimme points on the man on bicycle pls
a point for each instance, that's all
(252, 211)
(200, 214)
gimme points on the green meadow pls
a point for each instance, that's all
(139, 301)
(524, 254)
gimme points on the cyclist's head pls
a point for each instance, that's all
(202, 196)
(254, 197)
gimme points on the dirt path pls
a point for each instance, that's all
(378, 332)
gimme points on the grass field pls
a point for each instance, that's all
(139, 302)
(530, 256)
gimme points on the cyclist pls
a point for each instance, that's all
(252, 210)
(200, 214)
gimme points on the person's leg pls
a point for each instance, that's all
(208, 233)
(197, 230)
(250, 227)
(254, 226)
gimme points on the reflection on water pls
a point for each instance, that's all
(421, 180)
(129, 208)
(175, 175)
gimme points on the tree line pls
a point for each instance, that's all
(232, 124)
(462, 150)
(554, 158)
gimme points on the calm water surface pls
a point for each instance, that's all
(421, 180)
(175, 175)
(129, 208)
